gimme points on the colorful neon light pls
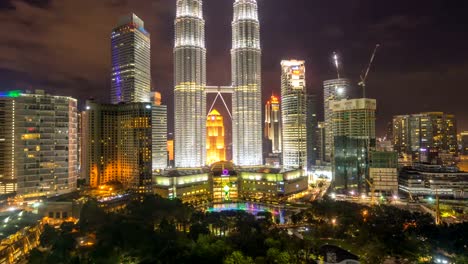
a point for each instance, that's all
(11, 94)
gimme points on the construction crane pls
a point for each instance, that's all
(363, 78)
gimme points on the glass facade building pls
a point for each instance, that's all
(383, 171)
(354, 138)
(335, 89)
(38, 143)
(294, 113)
(246, 81)
(131, 61)
(190, 82)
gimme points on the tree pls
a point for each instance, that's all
(274, 255)
(48, 236)
(238, 258)
(462, 259)
(91, 216)
(198, 229)
(36, 257)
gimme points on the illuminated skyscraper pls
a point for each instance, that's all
(425, 134)
(117, 145)
(246, 81)
(8, 177)
(159, 134)
(334, 90)
(131, 62)
(321, 141)
(170, 151)
(354, 138)
(464, 143)
(312, 132)
(294, 112)
(273, 124)
(215, 148)
(38, 144)
(190, 82)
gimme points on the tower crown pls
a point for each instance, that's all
(190, 8)
(245, 10)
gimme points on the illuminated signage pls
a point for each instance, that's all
(11, 94)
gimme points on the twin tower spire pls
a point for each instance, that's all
(190, 84)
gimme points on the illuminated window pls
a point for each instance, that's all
(30, 136)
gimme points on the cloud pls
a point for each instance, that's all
(67, 42)
(393, 29)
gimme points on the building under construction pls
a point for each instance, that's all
(354, 137)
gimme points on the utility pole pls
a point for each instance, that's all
(438, 219)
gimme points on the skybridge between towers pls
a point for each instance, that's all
(219, 91)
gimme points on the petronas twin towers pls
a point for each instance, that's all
(190, 85)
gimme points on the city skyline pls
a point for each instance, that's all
(240, 131)
(404, 62)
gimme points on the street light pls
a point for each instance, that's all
(365, 213)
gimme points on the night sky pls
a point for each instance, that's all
(63, 46)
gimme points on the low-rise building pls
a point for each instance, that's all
(272, 186)
(224, 183)
(423, 179)
(383, 171)
(191, 186)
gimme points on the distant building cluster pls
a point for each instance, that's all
(47, 145)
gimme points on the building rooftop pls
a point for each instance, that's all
(15, 220)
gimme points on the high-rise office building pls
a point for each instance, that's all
(312, 132)
(294, 112)
(425, 135)
(321, 141)
(190, 82)
(334, 90)
(117, 144)
(215, 145)
(159, 134)
(170, 151)
(131, 61)
(273, 124)
(38, 144)
(8, 176)
(464, 143)
(354, 137)
(246, 81)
